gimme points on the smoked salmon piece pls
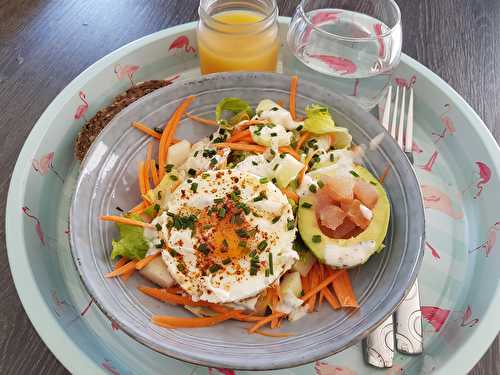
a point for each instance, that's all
(366, 193)
(339, 188)
(331, 216)
(353, 211)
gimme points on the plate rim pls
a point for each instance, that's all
(46, 325)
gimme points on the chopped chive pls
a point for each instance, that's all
(203, 248)
(242, 244)
(321, 184)
(252, 254)
(332, 157)
(313, 188)
(302, 293)
(119, 209)
(242, 233)
(282, 156)
(157, 207)
(290, 224)
(207, 226)
(158, 226)
(181, 267)
(194, 187)
(253, 271)
(159, 195)
(196, 153)
(299, 128)
(264, 180)
(192, 172)
(205, 175)
(158, 129)
(274, 180)
(226, 261)
(275, 167)
(354, 173)
(213, 161)
(274, 134)
(373, 183)
(254, 162)
(173, 177)
(214, 268)
(275, 220)
(271, 271)
(306, 205)
(316, 238)
(262, 245)
(267, 273)
(273, 152)
(169, 167)
(171, 214)
(218, 200)
(221, 212)
(225, 243)
(173, 252)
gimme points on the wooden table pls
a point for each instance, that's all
(45, 44)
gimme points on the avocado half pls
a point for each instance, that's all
(376, 231)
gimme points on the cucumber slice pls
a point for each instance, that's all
(157, 272)
(287, 170)
(178, 153)
(305, 262)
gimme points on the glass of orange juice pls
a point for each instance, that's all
(238, 35)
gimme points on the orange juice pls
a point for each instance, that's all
(238, 40)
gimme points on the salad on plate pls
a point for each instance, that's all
(257, 222)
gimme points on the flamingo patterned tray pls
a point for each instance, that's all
(457, 162)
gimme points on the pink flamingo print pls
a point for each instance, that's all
(323, 368)
(484, 173)
(38, 225)
(415, 148)
(406, 83)
(435, 316)
(115, 326)
(87, 308)
(182, 42)
(467, 320)
(440, 201)
(395, 370)
(82, 108)
(126, 71)
(60, 304)
(488, 245)
(223, 371)
(378, 32)
(109, 367)
(355, 91)
(44, 164)
(448, 126)
(339, 64)
(318, 19)
(434, 252)
(430, 163)
(172, 78)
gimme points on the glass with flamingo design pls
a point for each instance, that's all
(238, 35)
(354, 45)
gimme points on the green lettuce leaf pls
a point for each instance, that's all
(319, 120)
(131, 243)
(234, 105)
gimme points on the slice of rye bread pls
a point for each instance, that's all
(93, 127)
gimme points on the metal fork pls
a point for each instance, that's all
(379, 345)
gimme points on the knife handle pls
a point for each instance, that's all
(409, 323)
(379, 345)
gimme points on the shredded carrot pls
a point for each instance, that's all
(384, 174)
(271, 334)
(169, 132)
(343, 290)
(314, 290)
(143, 128)
(291, 194)
(144, 262)
(201, 120)
(127, 221)
(174, 299)
(331, 138)
(305, 284)
(241, 147)
(174, 290)
(303, 171)
(121, 262)
(128, 274)
(140, 176)
(236, 136)
(290, 151)
(177, 322)
(331, 298)
(248, 139)
(303, 137)
(147, 165)
(123, 269)
(293, 94)
(139, 208)
(265, 320)
(321, 276)
(313, 281)
(154, 173)
(281, 103)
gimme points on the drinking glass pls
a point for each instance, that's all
(238, 35)
(350, 46)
